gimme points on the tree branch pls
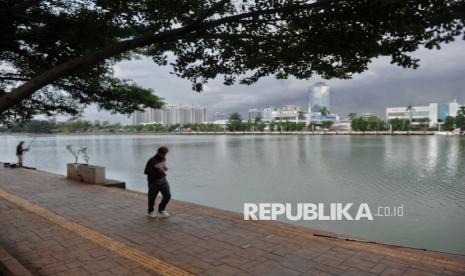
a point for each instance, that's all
(285, 8)
(243, 36)
(14, 78)
(210, 11)
(20, 7)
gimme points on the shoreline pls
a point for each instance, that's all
(237, 133)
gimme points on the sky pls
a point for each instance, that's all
(440, 78)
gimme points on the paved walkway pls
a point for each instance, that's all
(54, 226)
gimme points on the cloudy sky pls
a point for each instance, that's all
(440, 78)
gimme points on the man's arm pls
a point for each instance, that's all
(148, 166)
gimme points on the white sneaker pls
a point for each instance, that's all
(152, 215)
(163, 214)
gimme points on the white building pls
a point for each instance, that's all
(217, 116)
(254, 114)
(266, 114)
(137, 117)
(367, 115)
(343, 125)
(286, 113)
(434, 113)
(170, 115)
(221, 123)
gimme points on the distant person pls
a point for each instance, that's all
(156, 169)
(20, 153)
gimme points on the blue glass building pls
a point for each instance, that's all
(443, 111)
(318, 97)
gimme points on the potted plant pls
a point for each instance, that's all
(83, 171)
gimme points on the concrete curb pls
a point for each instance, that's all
(9, 266)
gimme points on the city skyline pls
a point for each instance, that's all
(171, 114)
(439, 79)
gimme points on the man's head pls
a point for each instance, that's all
(162, 150)
(21, 142)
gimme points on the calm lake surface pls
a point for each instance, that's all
(424, 174)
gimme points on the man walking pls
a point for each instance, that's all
(156, 169)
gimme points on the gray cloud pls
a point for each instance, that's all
(440, 78)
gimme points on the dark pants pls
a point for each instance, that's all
(159, 185)
(20, 160)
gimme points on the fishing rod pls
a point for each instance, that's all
(33, 139)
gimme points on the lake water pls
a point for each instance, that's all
(425, 174)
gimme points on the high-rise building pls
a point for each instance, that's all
(367, 115)
(137, 117)
(266, 114)
(318, 97)
(219, 116)
(254, 114)
(170, 115)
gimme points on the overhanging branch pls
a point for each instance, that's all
(14, 78)
(19, 7)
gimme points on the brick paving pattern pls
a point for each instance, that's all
(55, 226)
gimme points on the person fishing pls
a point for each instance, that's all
(156, 169)
(20, 153)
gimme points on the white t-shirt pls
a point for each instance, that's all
(160, 165)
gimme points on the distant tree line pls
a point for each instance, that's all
(458, 121)
(75, 126)
(71, 126)
(85, 126)
(374, 123)
(234, 123)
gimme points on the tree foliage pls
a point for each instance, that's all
(84, 126)
(460, 118)
(449, 123)
(372, 123)
(259, 125)
(324, 111)
(326, 124)
(235, 122)
(399, 124)
(352, 115)
(59, 56)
